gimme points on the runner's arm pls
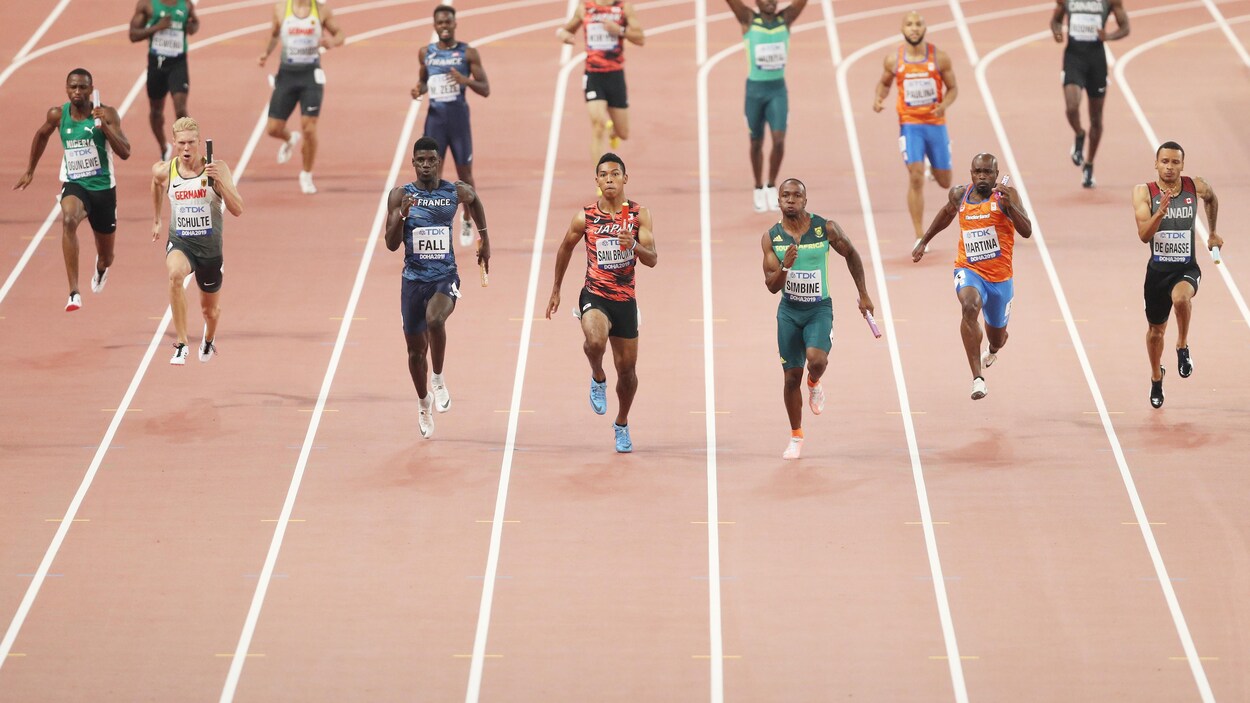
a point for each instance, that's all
(1019, 218)
(1147, 223)
(792, 11)
(275, 34)
(1056, 20)
(223, 183)
(565, 33)
(139, 31)
(478, 81)
(51, 123)
(774, 269)
(423, 77)
(193, 20)
(1121, 22)
(397, 204)
(941, 220)
(331, 24)
(644, 248)
(1212, 205)
(111, 122)
(883, 85)
(160, 181)
(741, 12)
(577, 230)
(469, 197)
(842, 244)
(951, 92)
(632, 31)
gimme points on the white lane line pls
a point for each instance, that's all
(1228, 31)
(34, 38)
(1154, 140)
(1139, 511)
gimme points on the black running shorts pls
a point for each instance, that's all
(1086, 68)
(607, 85)
(167, 75)
(1158, 290)
(622, 314)
(101, 206)
(207, 270)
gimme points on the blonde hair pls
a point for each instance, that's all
(186, 124)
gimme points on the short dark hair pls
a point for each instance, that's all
(801, 184)
(425, 144)
(610, 158)
(1169, 145)
(444, 8)
(80, 72)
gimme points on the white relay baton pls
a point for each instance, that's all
(95, 102)
(1215, 256)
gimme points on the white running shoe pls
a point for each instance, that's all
(425, 418)
(979, 390)
(288, 147)
(760, 199)
(816, 398)
(75, 302)
(442, 399)
(168, 153)
(180, 355)
(771, 198)
(466, 233)
(98, 279)
(207, 349)
(793, 449)
(306, 183)
(988, 358)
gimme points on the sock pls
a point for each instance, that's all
(797, 433)
(437, 378)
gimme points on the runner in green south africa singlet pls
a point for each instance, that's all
(807, 282)
(170, 42)
(768, 47)
(88, 160)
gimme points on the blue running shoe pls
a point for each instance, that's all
(599, 395)
(624, 444)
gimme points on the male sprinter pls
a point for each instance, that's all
(617, 232)
(90, 188)
(796, 263)
(1167, 212)
(608, 24)
(989, 219)
(165, 24)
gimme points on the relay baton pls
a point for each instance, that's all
(208, 153)
(1215, 256)
(1006, 180)
(872, 325)
(95, 102)
(481, 265)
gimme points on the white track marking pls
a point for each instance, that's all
(1154, 140)
(1228, 31)
(34, 39)
(1139, 511)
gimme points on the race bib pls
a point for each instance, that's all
(431, 242)
(598, 38)
(804, 286)
(981, 244)
(918, 92)
(1172, 246)
(443, 88)
(168, 42)
(193, 219)
(82, 162)
(1084, 26)
(609, 255)
(302, 48)
(770, 57)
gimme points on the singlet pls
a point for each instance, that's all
(807, 282)
(920, 87)
(604, 52)
(768, 46)
(1172, 247)
(610, 269)
(301, 38)
(88, 160)
(428, 255)
(170, 42)
(986, 239)
(445, 92)
(1085, 18)
(194, 213)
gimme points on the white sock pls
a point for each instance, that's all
(437, 378)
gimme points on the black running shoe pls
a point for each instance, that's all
(1184, 365)
(1088, 181)
(1156, 390)
(1078, 150)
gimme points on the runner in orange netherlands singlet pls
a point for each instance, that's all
(920, 88)
(989, 219)
(607, 26)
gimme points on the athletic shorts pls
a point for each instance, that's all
(995, 297)
(1086, 68)
(803, 326)
(766, 102)
(622, 314)
(415, 295)
(167, 75)
(300, 85)
(101, 206)
(450, 128)
(207, 269)
(917, 141)
(607, 85)
(1158, 290)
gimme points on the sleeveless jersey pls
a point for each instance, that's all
(301, 38)
(604, 52)
(768, 45)
(88, 160)
(987, 238)
(428, 255)
(1172, 247)
(1085, 18)
(807, 282)
(170, 42)
(445, 92)
(194, 212)
(920, 87)
(610, 269)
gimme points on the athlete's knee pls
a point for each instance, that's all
(309, 127)
(104, 258)
(971, 307)
(793, 377)
(942, 177)
(275, 129)
(620, 130)
(817, 362)
(1154, 333)
(757, 145)
(175, 277)
(915, 177)
(595, 347)
(70, 220)
(436, 324)
(779, 140)
(212, 311)
(627, 377)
